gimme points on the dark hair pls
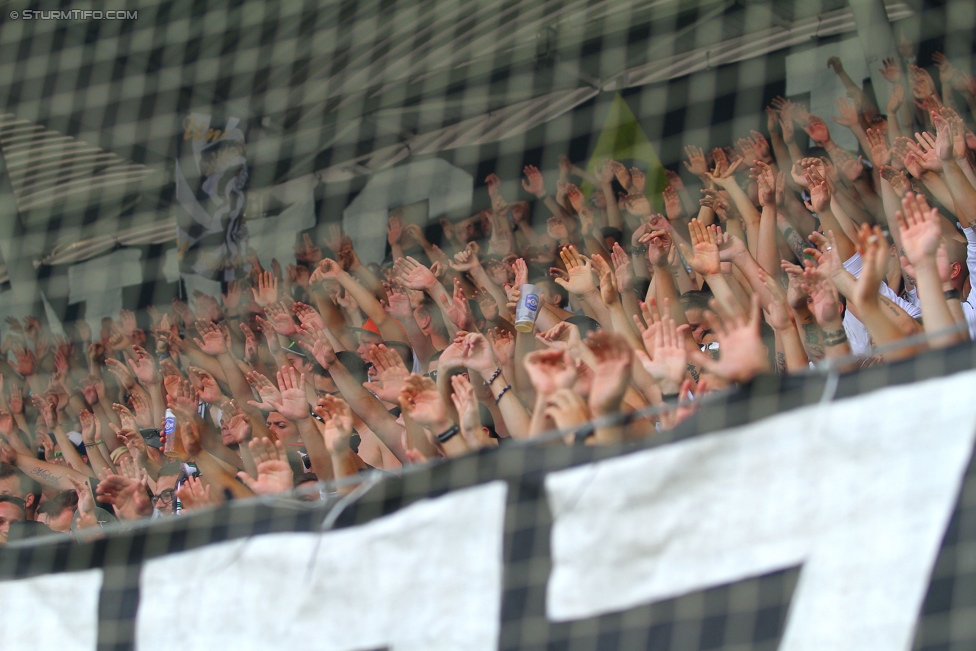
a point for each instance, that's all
(487, 420)
(354, 364)
(585, 324)
(551, 287)
(403, 349)
(429, 308)
(613, 232)
(171, 469)
(57, 504)
(695, 299)
(25, 484)
(16, 501)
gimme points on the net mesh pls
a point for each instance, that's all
(336, 113)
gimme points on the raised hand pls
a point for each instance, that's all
(327, 270)
(696, 162)
(281, 319)
(703, 256)
(308, 316)
(825, 302)
(337, 415)
(672, 204)
(608, 281)
(194, 494)
(665, 359)
(622, 268)
(851, 168)
(898, 181)
(24, 361)
(477, 354)
(658, 246)
(213, 342)
(391, 373)
(234, 423)
(467, 408)
(121, 372)
(182, 395)
(502, 345)
(891, 70)
(819, 194)
(566, 409)
(817, 130)
(266, 291)
(919, 226)
(922, 84)
(85, 419)
(413, 275)
(637, 179)
(611, 375)
(550, 370)
(458, 311)
(267, 391)
(129, 497)
(207, 308)
(873, 248)
(579, 271)
(742, 355)
(316, 343)
(126, 417)
(394, 227)
(398, 303)
(465, 260)
(533, 182)
(144, 367)
(880, 153)
(848, 112)
(521, 272)
(292, 403)
(765, 183)
(421, 401)
(142, 410)
(274, 472)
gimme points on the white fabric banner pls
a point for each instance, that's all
(858, 492)
(55, 611)
(427, 577)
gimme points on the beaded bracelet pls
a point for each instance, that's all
(499, 398)
(494, 376)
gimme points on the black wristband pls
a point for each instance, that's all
(835, 337)
(448, 434)
(952, 294)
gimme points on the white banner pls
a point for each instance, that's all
(55, 611)
(428, 577)
(858, 492)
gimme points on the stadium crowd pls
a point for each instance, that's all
(789, 257)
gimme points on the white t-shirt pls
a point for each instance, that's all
(857, 333)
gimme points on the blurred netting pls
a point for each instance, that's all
(337, 112)
(341, 111)
(746, 614)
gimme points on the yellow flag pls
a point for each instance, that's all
(623, 140)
